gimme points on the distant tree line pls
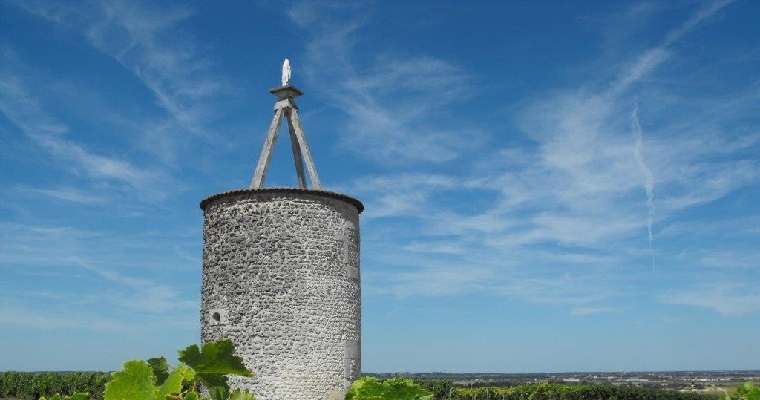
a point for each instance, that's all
(446, 390)
(33, 385)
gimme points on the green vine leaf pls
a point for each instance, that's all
(138, 382)
(160, 369)
(135, 381)
(216, 385)
(216, 358)
(173, 383)
(244, 395)
(212, 363)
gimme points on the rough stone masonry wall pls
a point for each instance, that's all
(281, 280)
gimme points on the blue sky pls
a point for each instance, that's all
(549, 186)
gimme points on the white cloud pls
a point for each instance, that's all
(69, 194)
(390, 101)
(45, 131)
(582, 311)
(152, 43)
(579, 197)
(707, 11)
(36, 246)
(87, 255)
(34, 317)
(736, 258)
(654, 57)
(729, 299)
(438, 281)
(149, 42)
(97, 166)
(401, 195)
(141, 294)
(47, 249)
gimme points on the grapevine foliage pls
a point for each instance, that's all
(137, 381)
(211, 365)
(369, 388)
(241, 395)
(152, 380)
(747, 391)
(160, 368)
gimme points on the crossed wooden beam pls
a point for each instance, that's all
(286, 107)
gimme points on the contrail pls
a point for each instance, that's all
(657, 55)
(646, 172)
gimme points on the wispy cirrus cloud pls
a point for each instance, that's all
(68, 253)
(582, 311)
(141, 294)
(729, 299)
(655, 56)
(47, 132)
(434, 277)
(50, 249)
(68, 194)
(34, 317)
(67, 311)
(390, 101)
(149, 42)
(153, 45)
(43, 246)
(402, 195)
(579, 198)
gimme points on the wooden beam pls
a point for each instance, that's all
(298, 130)
(266, 152)
(296, 151)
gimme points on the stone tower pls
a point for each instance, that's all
(281, 275)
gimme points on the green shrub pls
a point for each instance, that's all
(747, 391)
(369, 388)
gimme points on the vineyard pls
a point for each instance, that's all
(557, 391)
(32, 386)
(208, 367)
